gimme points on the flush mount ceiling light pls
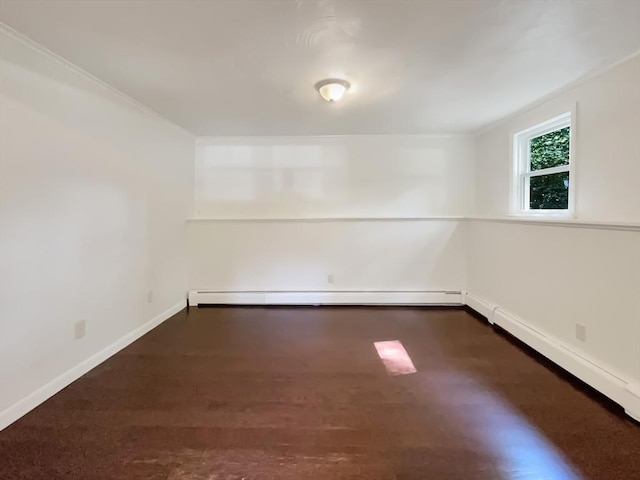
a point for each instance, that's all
(332, 89)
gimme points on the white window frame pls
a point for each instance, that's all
(522, 173)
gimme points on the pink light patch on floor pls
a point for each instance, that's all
(394, 357)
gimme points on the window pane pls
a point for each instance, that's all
(550, 150)
(549, 192)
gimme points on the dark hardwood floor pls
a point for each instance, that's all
(300, 393)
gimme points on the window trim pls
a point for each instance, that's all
(521, 165)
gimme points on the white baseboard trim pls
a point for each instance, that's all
(620, 390)
(211, 297)
(31, 401)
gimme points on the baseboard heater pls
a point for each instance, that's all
(622, 391)
(214, 297)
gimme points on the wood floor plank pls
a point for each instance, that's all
(300, 393)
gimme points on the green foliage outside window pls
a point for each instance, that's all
(546, 151)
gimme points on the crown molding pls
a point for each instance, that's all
(42, 50)
(556, 93)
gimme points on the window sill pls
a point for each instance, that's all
(544, 215)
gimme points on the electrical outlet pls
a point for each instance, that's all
(330, 278)
(150, 296)
(581, 332)
(80, 329)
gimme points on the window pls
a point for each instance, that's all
(543, 168)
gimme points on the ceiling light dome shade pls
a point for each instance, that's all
(332, 89)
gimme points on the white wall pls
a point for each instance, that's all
(607, 141)
(298, 256)
(94, 192)
(308, 207)
(334, 177)
(553, 276)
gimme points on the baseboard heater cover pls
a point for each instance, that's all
(480, 305)
(621, 391)
(212, 297)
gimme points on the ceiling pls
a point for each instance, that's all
(248, 67)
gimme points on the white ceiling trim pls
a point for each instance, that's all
(204, 140)
(42, 50)
(554, 94)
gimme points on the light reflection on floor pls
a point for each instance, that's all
(394, 357)
(522, 451)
